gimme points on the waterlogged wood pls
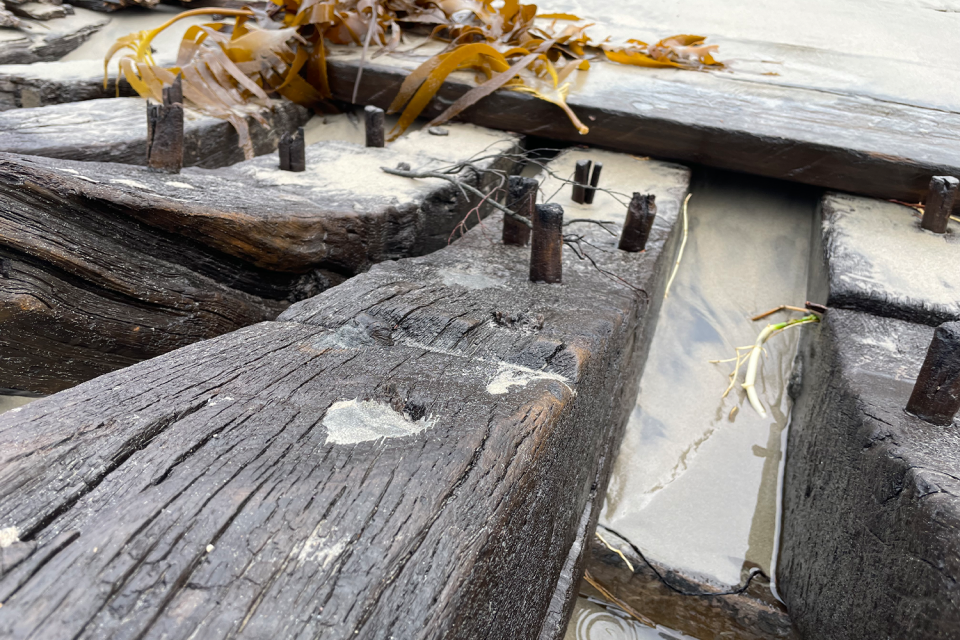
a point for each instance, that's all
(417, 453)
(38, 41)
(115, 130)
(871, 502)
(43, 83)
(826, 138)
(104, 265)
(873, 256)
(753, 615)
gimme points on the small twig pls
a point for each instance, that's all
(783, 307)
(683, 243)
(600, 223)
(642, 619)
(461, 185)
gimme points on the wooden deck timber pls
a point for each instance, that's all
(420, 452)
(104, 265)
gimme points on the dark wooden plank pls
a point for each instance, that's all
(44, 83)
(104, 265)
(873, 256)
(416, 453)
(37, 41)
(830, 139)
(115, 130)
(871, 502)
(752, 615)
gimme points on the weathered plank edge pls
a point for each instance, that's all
(873, 172)
(629, 389)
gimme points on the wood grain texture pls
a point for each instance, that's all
(214, 491)
(115, 130)
(753, 615)
(873, 256)
(829, 139)
(104, 265)
(40, 41)
(45, 83)
(871, 503)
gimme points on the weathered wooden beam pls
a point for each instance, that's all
(46, 40)
(44, 83)
(873, 256)
(110, 264)
(417, 453)
(663, 595)
(115, 130)
(857, 143)
(871, 500)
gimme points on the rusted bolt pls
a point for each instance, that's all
(165, 131)
(521, 199)
(547, 243)
(591, 191)
(293, 151)
(640, 216)
(939, 205)
(373, 121)
(581, 177)
(936, 395)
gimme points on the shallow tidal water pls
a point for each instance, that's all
(696, 483)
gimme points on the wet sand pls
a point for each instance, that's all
(693, 487)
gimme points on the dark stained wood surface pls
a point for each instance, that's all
(115, 130)
(104, 265)
(45, 40)
(832, 139)
(228, 490)
(871, 501)
(873, 256)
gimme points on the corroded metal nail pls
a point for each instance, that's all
(547, 243)
(640, 216)
(165, 131)
(939, 205)
(293, 151)
(936, 394)
(374, 120)
(581, 177)
(591, 191)
(521, 199)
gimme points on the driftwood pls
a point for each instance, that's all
(417, 453)
(37, 41)
(871, 501)
(873, 256)
(105, 265)
(115, 130)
